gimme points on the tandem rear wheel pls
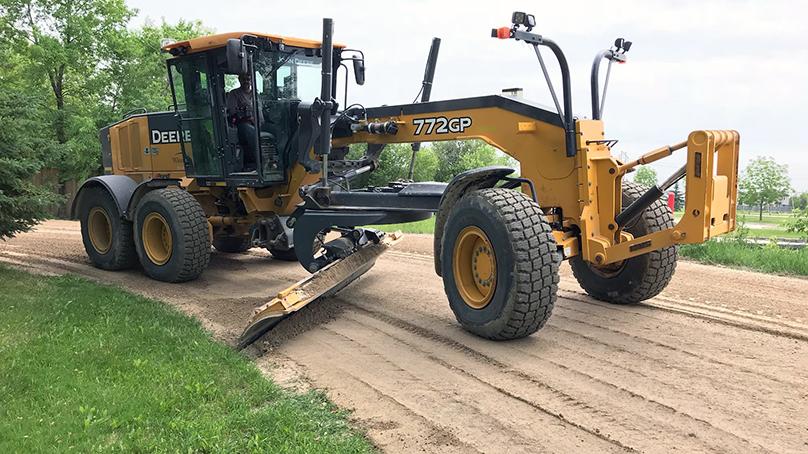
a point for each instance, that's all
(499, 263)
(107, 237)
(171, 235)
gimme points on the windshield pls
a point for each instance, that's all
(282, 76)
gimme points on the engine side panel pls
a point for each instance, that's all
(144, 147)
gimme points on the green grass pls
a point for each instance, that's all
(425, 226)
(768, 218)
(91, 368)
(772, 225)
(769, 258)
(773, 233)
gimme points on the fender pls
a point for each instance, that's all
(142, 189)
(121, 187)
(470, 180)
(124, 190)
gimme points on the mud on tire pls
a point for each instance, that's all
(184, 252)
(526, 263)
(638, 278)
(116, 251)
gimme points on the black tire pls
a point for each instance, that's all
(118, 251)
(525, 257)
(638, 278)
(287, 255)
(232, 244)
(188, 252)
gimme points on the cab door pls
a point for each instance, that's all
(193, 87)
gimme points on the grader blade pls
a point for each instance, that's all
(322, 284)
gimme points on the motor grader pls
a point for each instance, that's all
(178, 181)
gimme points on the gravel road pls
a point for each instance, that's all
(718, 362)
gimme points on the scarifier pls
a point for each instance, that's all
(178, 181)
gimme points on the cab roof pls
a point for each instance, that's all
(208, 42)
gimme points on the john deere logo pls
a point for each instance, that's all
(158, 136)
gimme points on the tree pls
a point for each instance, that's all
(645, 176)
(135, 78)
(67, 44)
(439, 161)
(455, 157)
(799, 201)
(678, 198)
(799, 222)
(394, 164)
(22, 203)
(763, 183)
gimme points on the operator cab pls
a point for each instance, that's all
(255, 147)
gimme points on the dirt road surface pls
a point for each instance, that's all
(718, 362)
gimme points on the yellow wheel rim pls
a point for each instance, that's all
(157, 239)
(99, 228)
(474, 265)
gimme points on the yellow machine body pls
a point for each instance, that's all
(587, 187)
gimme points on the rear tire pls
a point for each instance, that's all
(232, 244)
(500, 264)
(638, 278)
(171, 235)
(287, 255)
(107, 237)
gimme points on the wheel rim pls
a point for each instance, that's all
(157, 239)
(474, 266)
(100, 229)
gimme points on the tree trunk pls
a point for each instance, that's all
(760, 216)
(57, 84)
(57, 78)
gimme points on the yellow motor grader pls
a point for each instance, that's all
(276, 175)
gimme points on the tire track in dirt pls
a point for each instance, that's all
(536, 376)
(572, 316)
(736, 319)
(495, 409)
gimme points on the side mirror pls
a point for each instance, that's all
(359, 70)
(236, 57)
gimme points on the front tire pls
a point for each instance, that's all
(171, 235)
(500, 264)
(638, 278)
(107, 237)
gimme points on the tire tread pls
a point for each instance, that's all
(194, 230)
(536, 264)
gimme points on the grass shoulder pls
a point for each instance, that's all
(92, 368)
(766, 258)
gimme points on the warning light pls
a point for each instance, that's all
(501, 33)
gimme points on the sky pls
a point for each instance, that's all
(710, 64)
